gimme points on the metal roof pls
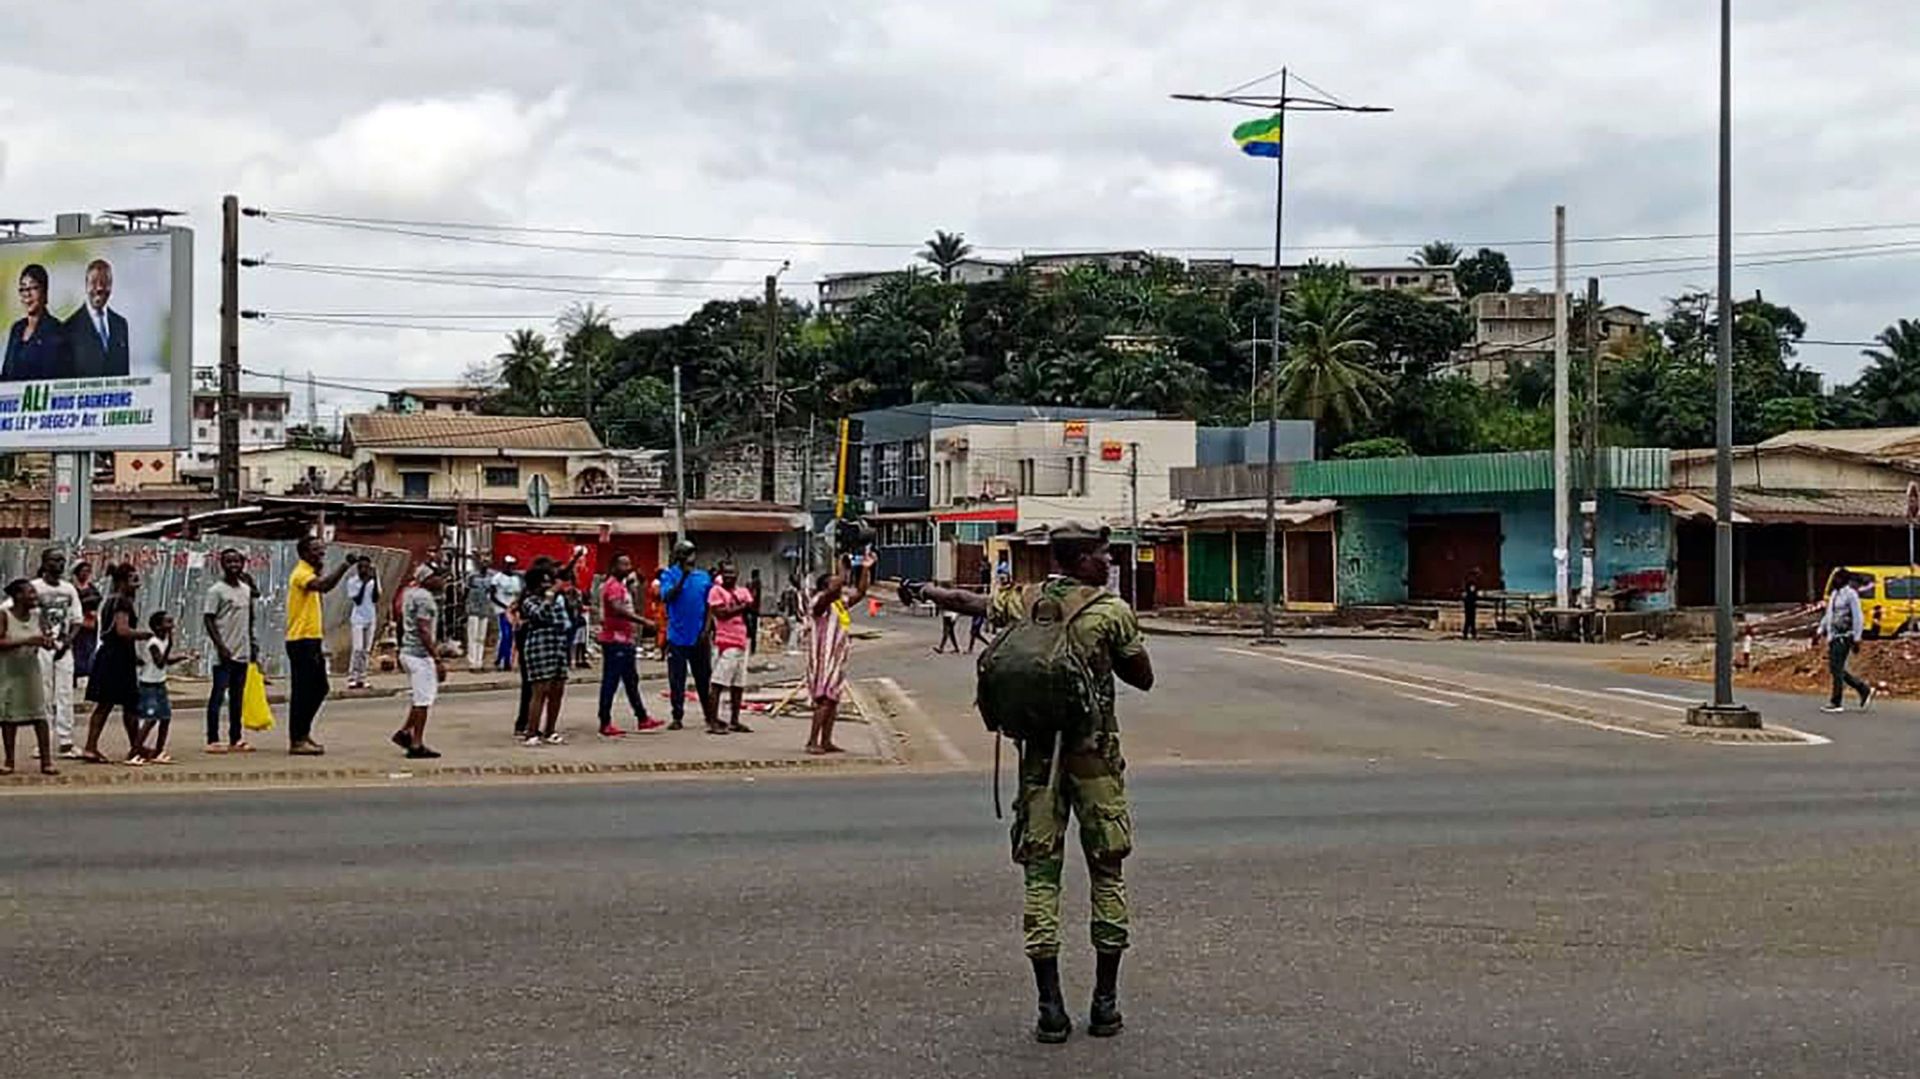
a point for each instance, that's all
(1750, 506)
(1474, 473)
(428, 431)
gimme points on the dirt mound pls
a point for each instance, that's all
(1893, 667)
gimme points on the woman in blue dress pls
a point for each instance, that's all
(36, 343)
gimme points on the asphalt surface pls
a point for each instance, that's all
(1382, 885)
(1750, 919)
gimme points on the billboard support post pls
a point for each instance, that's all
(70, 489)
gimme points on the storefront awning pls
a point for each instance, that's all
(1244, 513)
(1835, 508)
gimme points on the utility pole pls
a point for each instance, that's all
(313, 403)
(1590, 506)
(806, 500)
(679, 466)
(229, 419)
(1723, 712)
(770, 378)
(1279, 107)
(1561, 463)
(1133, 499)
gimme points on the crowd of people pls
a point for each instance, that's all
(60, 632)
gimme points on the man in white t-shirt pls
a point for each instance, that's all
(60, 616)
(363, 592)
(505, 591)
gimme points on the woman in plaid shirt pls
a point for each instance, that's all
(544, 628)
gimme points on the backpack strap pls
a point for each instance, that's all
(1084, 597)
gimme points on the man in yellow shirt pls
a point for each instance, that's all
(306, 647)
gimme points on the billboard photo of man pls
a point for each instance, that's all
(37, 342)
(96, 333)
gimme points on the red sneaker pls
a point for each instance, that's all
(646, 726)
(611, 731)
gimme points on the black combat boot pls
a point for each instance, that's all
(1103, 1020)
(1054, 1024)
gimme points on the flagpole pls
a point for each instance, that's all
(1318, 101)
(1273, 368)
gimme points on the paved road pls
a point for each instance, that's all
(1744, 918)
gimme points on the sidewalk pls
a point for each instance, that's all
(472, 727)
(1170, 627)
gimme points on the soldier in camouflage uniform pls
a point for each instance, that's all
(1091, 785)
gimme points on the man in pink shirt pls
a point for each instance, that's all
(727, 607)
(618, 620)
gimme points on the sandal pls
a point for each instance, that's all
(216, 747)
(162, 757)
(46, 769)
(135, 761)
(240, 747)
(6, 769)
(93, 756)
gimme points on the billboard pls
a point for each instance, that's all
(99, 341)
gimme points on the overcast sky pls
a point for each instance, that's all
(1024, 124)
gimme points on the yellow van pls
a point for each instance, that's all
(1889, 597)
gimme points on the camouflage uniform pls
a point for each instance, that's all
(1092, 784)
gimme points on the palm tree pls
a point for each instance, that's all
(1890, 385)
(947, 250)
(1437, 253)
(524, 374)
(1325, 377)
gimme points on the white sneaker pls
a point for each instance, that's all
(556, 739)
(533, 741)
(1831, 708)
(1866, 702)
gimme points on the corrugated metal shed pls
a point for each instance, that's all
(1471, 474)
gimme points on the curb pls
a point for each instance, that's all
(494, 685)
(1233, 633)
(108, 776)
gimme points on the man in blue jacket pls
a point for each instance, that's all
(683, 590)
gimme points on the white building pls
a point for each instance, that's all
(990, 478)
(263, 426)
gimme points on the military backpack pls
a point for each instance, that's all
(1032, 683)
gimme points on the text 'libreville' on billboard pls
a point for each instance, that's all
(99, 341)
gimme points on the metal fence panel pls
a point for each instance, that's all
(175, 576)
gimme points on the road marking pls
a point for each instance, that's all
(925, 722)
(1655, 696)
(1431, 700)
(1328, 669)
(1605, 696)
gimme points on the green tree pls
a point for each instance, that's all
(1373, 447)
(1325, 376)
(1436, 253)
(946, 250)
(1890, 385)
(1486, 270)
(524, 375)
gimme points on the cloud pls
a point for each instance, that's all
(1023, 125)
(444, 156)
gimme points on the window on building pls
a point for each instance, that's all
(415, 485)
(916, 453)
(905, 533)
(1026, 475)
(887, 482)
(501, 476)
(1368, 280)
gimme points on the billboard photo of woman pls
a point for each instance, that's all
(37, 344)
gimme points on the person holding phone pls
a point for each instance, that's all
(830, 619)
(684, 589)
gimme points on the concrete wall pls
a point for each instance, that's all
(732, 471)
(451, 477)
(1635, 544)
(1795, 470)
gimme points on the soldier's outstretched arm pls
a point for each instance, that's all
(1135, 669)
(952, 599)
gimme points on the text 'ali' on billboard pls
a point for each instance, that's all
(99, 340)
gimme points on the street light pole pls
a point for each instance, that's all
(1723, 712)
(1286, 102)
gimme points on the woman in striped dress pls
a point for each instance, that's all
(830, 619)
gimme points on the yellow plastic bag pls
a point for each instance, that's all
(255, 713)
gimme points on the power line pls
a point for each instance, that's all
(1901, 245)
(533, 275)
(1752, 263)
(447, 281)
(404, 226)
(496, 242)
